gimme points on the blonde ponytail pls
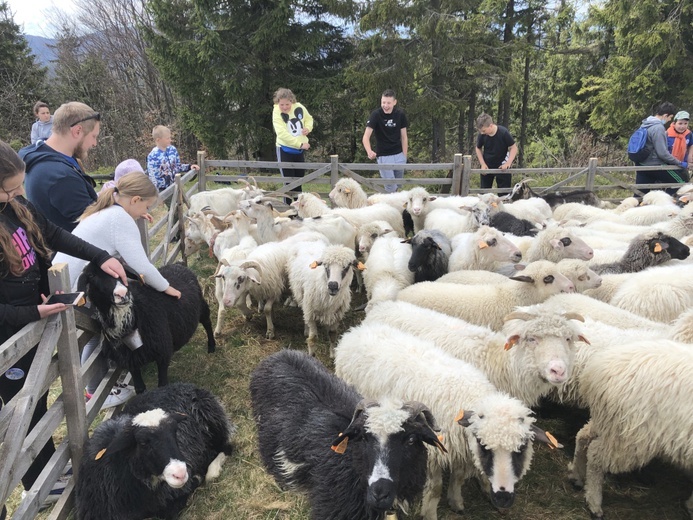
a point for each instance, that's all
(135, 184)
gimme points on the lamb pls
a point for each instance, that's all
(347, 193)
(417, 205)
(147, 461)
(487, 304)
(496, 440)
(141, 324)
(660, 294)
(627, 388)
(482, 250)
(301, 409)
(224, 200)
(556, 243)
(387, 270)
(368, 233)
(319, 278)
(430, 254)
(540, 359)
(646, 250)
(508, 223)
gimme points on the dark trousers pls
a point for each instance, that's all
(292, 172)
(11, 387)
(503, 180)
(661, 177)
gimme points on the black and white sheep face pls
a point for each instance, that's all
(337, 275)
(572, 246)
(121, 294)
(667, 246)
(237, 283)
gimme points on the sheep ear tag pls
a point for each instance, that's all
(100, 454)
(360, 266)
(482, 244)
(347, 190)
(314, 265)
(512, 341)
(553, 444)
(342, 446)
(658, 248)
(82, 301)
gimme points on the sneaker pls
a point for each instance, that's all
(120, 394)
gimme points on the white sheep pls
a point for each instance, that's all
(319, 278)
(383, 361)
(556, 243)
(541, 356)
(584, 213)
(482, 250)
(473, 277)
(347, 193)
(639, 411)
(648, 215)
(387, 270)
(223, 200)
(534, 209)
(417, 205)
(369, 233)
(488, 304)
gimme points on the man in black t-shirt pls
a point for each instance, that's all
(499, 151)
(390, 127)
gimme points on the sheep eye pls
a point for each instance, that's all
(411, 440)
(374, 235)
(566, 241)
(492, 242)
(241, 279)
(548, 279)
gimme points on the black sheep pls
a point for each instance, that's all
(522, 190)
(646, 250)
(164, 323)
(378, 457)
(147, 461)
(508, 223)
(430, 255)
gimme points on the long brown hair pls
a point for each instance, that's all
(10, 258)
(135, 184)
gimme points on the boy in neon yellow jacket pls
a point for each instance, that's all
(292, 123)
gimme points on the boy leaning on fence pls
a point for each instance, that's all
(163, 162)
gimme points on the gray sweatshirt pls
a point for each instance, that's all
(657, 135)
(41, 131)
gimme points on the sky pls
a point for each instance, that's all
(33, 16)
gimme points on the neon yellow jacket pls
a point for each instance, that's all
(288, 127)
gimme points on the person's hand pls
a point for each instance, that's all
(505, 166)
(172, 292)
(305, 146)
(684, 165)
(305, 131)
(115, 269)
(148, 218)
(372, 155)
(194, 167)
(49, 310)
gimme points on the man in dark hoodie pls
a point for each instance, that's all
(657, 138)
(55, 182)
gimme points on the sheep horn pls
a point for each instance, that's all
(243, 180)
(517, 315)
(416, 408)
(573, 316)
(253, 179)
(251, 264)
(316, 195)
(527, 180)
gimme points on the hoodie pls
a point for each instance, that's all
(56, 185)
(41, 131)
(657, 135)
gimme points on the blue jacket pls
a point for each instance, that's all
(58, 188)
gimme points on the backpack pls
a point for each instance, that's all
(639, 146)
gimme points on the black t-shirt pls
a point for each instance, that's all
(388, 130)
(495, 148)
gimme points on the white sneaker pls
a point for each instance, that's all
(120, 394)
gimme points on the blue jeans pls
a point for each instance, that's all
(392, 174)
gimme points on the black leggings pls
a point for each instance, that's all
(11, 387)
(292, 172)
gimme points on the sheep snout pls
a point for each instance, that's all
(176, 473)
(332, 288)
(381, 494)
(120, 293)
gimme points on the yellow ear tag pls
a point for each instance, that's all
(360, 266)
(511, 342)
(494, 204)
(347, 190)
(554, 443)
(658, 248)
(460, 416)
(314, 265)
(482, 244)
(341, 447)
(100, 454)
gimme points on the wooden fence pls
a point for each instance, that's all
(457, 180)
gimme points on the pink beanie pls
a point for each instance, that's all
(127, 166)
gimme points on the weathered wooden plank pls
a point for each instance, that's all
(559, 184)
(304, 180)
(362, 180)
(19, 344)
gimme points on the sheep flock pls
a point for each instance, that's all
(437, 347)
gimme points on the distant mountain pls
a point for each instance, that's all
(40, 47)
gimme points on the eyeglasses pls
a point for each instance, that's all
(95, 115)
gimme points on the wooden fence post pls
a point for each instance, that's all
(456, 175)
(591, 173)
(202, 174)
(69, 367)
(181, 219)
(334, 169)
(466, 175)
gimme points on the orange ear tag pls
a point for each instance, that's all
(482, 244)
(100, 454)
(459, 416)
(313, 265)
(347, 190)
(341, 447)
(82, 301)
(554, 443)
(360, 266)
(494, 204)
(512, 340)
(658, 248)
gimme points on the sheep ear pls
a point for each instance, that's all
(522, 278)
(556, 243)
(545, 437)
(253, 274)
(431, 198)
(463, 417)
(583, 339)
(425, 424)
(123, 441)
(512, 340)
(407, 241)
